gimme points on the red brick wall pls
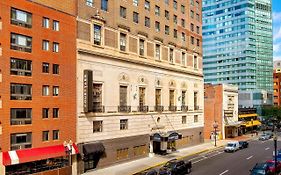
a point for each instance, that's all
(66, 58)
(277, 88)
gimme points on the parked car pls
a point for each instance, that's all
(260, 169)
(148, 172)
(176, 167)
(271, 164)
(232, 146)
(264, 137)
(270, 134)
(243, 144)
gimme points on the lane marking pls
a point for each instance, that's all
(249, 157)
(223, 172)
(267, 148)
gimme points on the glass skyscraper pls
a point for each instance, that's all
(237, 45)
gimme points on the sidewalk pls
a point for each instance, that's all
(135, 166)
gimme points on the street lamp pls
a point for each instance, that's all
(274, 120)
(252, 123)
(68, 150)
(215, 125)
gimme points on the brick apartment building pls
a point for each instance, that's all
(277, 83)
(139, 79)
(37, 85)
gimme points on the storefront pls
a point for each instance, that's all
(232, 129)
(92, 153)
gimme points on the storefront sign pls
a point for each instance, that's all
(228, 113)
(173, 136)
(87, 90)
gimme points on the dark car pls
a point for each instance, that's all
(148, 172)
(271, 164)
(260, 169)
(264, 137)
(176, 167)
(243, 144)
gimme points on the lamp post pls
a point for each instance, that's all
(215, 125)
(274, 120)
(68, 150)
(252, 124)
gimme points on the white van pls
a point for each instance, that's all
(232, 146)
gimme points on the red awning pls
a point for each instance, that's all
(33, 154)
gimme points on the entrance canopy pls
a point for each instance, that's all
(233, 123)
(166, 137)
(92, 148)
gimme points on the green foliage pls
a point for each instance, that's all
(273, 111)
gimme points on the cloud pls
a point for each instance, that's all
(277, 34)
(277, 57)
(276, 47)
(276, 17)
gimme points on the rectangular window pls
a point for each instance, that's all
(182, 22)
(141, 96)
(20, 67)
(139, 150)
(175, 33)
(197, 4)
(123, 124)
(183, 94)
(197, 17)
(167, 2)
(55, 47)
(56, 134)
(104, 5)
(183, 36)
(183, 119)
(123, 41)
(157, 26)
(89, 3)
(147, 5)
(157, 52)
(175, 19)
(45, 90)
(141, 47)
(158, 97)
(195, 118)
(97, 97)
(21, 91)
(195, 62)
(135, 2)
(172, 98)
(197, 42)
(157, 10)
(97, 126)
(56, 69)
(175, 4)
(55, 90)
(45, 135)
(45, 45)
(192, 40)
(123, 12)
(21, 141)
(21, 116)
(136, 17)
(171, 55)
(123, 96)
(167, 30)
(197, 29)
(21, 18)
(45, 67)
(182, 9)
(195, 96)
(192, 2)
(45, 22)
(97, 34)
(56, 112)
(191, 27)
(21, 42)
(167, 15)
(45, 113)
(191, 13)
(183, 58)
(56, 25)
(122, 153)
(147, 21)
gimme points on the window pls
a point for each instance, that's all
(182, 22)
(157, 26)
(55, 47)
(21, 91)
(183, 36)
(97, 34)
(139, 150)
(97, 126)
(197, 17)
(45, 45)
(21, 116)
(175, 4)
(56, 69)
(89, 3)
(197, 42)
(172, 98)
(21, 18)
(141, 47)
(45, 113)
(167, 15)
(122, 153)
(157, 10)
(123, 124)
(20, 67)
(147, 5)
(97, 97)
(158, 97)
(175, 19)
(167, 2)
(136, 17)
(171, 55)
(135, 2)
(191, 13)
(45, 67)
(197, 4)
(195, 62)
(192, 40)
(195, 100)
(147, 22)
(45, 135)
(123, 12)
(183, 119)
(192, 27)
(197, 29)
(167, 30)
(183, 94)
(183, 58)
(56, 25)
(46, 22)
(56, 112)
(55, 91)
(123, 41)
(157, 52)
(123, 96)
(21, 42)
(182, 9)
(195, 118)
(175, 33)
(141, 96)
(192, 2)
(45, 90)
(104, 5)
(21, 141)
(56, 134)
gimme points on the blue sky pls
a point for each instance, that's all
(276, 11)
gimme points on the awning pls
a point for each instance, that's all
(91, 148)
(164, 137)
(233, 123)
(34, 154)
(247, 115)
(250, 123)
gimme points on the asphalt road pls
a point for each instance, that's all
(238, 163)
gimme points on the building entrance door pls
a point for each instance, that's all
(156, 147)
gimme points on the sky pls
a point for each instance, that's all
(276, 14)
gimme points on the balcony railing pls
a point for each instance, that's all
(21, 97)
(159, 108)
(21, 23)
(22, 121)
(124, 108)
(172, 108)
(184, 108)
(98, 109)
(21, 48)
(143, 108)
(196, 108)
